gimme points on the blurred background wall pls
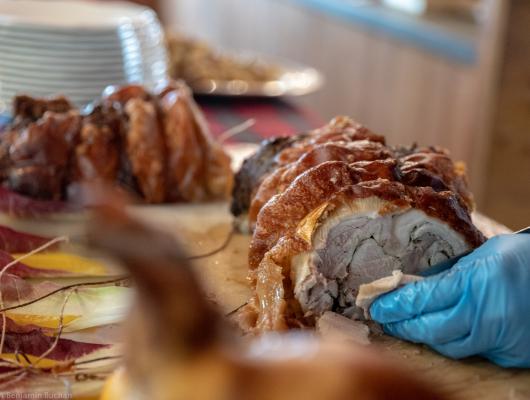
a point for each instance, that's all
(508, 169)
(462, 82)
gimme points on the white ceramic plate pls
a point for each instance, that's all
(44, 51)
(65, 14)
(77, 48)
(51, 77)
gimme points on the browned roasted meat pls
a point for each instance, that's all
(281, 178)
(39, 155)
(253, 170)
(346, 213)
(156, 146)
(180, 347)
(146, 149)
(97, 154)
(219, 177)
(28, 109)
(186, 160)
(282, 152)
(198, 168)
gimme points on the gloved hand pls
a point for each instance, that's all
(481, 306)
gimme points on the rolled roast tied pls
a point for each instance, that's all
(334, 225)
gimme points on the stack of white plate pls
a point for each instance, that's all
(77, 48)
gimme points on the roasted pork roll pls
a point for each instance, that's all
(347, 213)
(155, 145)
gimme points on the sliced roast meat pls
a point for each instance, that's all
(186, 164)
(145, 148)
(155, 145)
(97, 154)
(356, 234)
(282, 214)
(219, 179)
(340, 210)
(39, 155)
(357, 244)
(198, 169)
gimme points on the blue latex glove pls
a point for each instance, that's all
(481, 306)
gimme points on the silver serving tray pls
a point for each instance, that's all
(295, 80)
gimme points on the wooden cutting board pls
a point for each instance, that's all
(204, 227)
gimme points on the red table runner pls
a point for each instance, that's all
(272, 117)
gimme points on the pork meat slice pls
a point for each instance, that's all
(97, 154)
(38, 155)
(198, 168)
(339, 225)
(146, 149)
(359, 243)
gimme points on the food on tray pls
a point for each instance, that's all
(179, 346)
(196, 62)
(155, 145)
(336, 208)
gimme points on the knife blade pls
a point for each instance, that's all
(445, 265)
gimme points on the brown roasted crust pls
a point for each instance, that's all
(273, 303)
(254, 169)
(275, 241)
(317, 185)
(198, 168)
(279, 180)
(97, 156)
(345, 140)
(432, 167)
(185, 166)
(446, 206)
(146, 149)
(38, 156)
(97, 153)
(340, 129)
(219, 178)
(27, 109)
(282, 151)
